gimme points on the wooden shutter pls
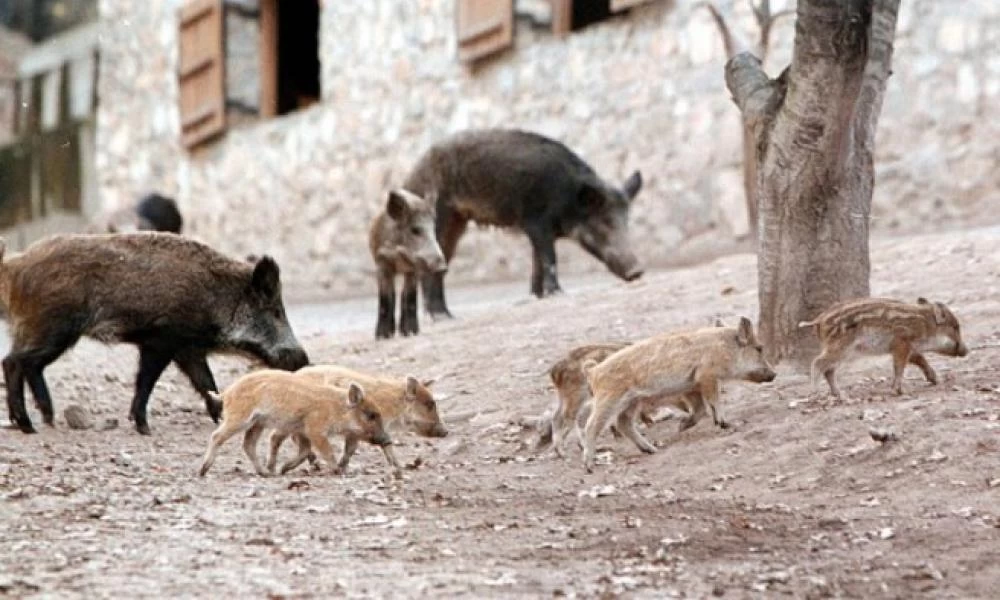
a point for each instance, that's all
(484, 27)
(201, 74)
(620, 5)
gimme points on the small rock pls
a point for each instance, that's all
(77, 417)
(883, 435)
(887, 533)
(106, 425)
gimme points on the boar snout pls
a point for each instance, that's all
(289, 359)
(961, 349)
(382, 439)
(762, 375)
(624, 265)
(438, 430)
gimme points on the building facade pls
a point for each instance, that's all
(280, 129)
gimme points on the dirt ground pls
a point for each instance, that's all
(795, 499)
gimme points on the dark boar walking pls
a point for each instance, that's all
(174, 298)
(401, 240)
(521, 180)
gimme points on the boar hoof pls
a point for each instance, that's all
(143, 428)
(26, 427)
(723, 424)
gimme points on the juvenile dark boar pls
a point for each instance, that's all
(402, 241)
(153, 212)
(691, 362)
(524, 181)
(884, 326)
(176, 299)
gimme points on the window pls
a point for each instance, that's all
(245, 60)
(486, 27)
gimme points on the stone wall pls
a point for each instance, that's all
(640, 91)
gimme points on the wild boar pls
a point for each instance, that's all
(153, 212)
(692, 362)
(524, 181)
(572, 393)
(875, 326)
(405, 404)
(290, 405)
(174, 298)
(402, 241)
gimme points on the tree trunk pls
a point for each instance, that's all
(814, 132)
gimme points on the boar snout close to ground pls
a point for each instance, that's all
(523, 181)
(174, 298)
(309, 411)
(405, 404)
(402, 241)
(693, 363)
(873, 326)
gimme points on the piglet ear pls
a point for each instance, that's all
(354, 395)
(938, 313)
(266, 279)
(411, 387)
(744, 335)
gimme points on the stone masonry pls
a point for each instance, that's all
(641, 91)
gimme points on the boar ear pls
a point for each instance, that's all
(397, 207)
(632, 185)
(938, 313)
(429, 382)
(744, 334)
(354, 395)
(266, 278)
(411, 386)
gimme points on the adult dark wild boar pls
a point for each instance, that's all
(521, 180)
(174, 298)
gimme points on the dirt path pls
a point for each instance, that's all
(796, 499)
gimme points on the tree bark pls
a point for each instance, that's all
(813, 130)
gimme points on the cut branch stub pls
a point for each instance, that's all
(757, 95)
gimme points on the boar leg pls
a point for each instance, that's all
(543, 265)
(25, 362)
(386, 326)
(274, 443)
(901, 351)
(305, 451)
(695, 408)
(408, 312)
(219, 437)
(152, 362)
(194, 365)
(826, 363)
(709, 390)
(250, 439)
(626, 425)
(449, 228)
(350, 446)
(918, 359)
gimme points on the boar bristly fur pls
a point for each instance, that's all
(309, 411)
(873, 326)
(174, 298)
(527, 182)
(405, 404)
(402, 242)
(692, 362)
